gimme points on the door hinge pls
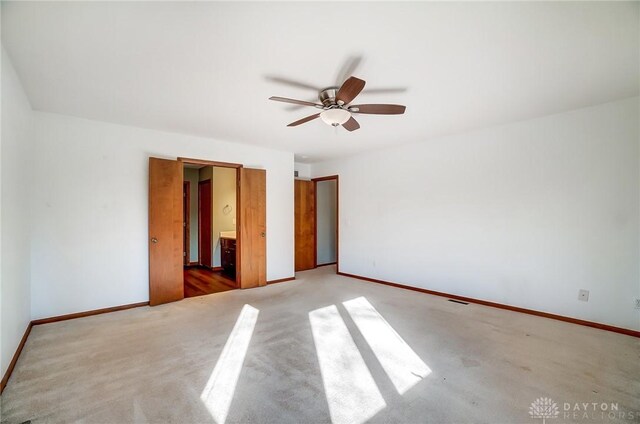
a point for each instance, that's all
(184, 253)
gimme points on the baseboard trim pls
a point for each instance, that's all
(14, 360)
(598, 325)
(327, 264)
(88, 313)
(23, 341)
(282, 280)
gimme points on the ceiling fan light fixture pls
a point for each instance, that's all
(335, 117)
(335, 106)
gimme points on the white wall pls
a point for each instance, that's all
(304, 170)
(524, 214)
(16, 151)
(326, 221)
(91, 246)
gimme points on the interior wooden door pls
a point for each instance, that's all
(252, 243)
(204, 223)
(305, 216)
(165, 231)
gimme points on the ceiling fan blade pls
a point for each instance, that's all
(386, 90)
(297, 107)
(378, 109)
(348, 68)
(303, 120)
(292, 83)
(349, 90)
(351, 124)
(294, 101)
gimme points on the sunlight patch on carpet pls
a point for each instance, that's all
(218, 393)
(403, 366)
(351, 392)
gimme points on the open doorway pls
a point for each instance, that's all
(209, 236)
(316, 222)
(167, 226)
(326, 220)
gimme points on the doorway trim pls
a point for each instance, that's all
(209, 163)
(315, 224)
(236, 166)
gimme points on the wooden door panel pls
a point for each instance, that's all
(165, 231)
(204, 223)
(252, 243)
(304, 225)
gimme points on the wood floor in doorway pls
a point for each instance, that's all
(199, 281)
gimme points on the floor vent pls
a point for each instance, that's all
(458, 301)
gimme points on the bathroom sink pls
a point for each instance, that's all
(228, 234)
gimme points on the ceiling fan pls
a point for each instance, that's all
(335, 103)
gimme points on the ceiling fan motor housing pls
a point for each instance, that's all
(328, 96)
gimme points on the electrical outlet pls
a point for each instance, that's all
(637, 302)
(583, 295)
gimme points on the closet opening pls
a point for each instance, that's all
(209, 228)
(217, 258)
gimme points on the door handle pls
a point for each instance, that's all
(154, 240)
(262, 234)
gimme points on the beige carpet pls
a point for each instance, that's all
(319, 349)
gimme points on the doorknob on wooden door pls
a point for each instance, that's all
(262, 234)
(154, 240)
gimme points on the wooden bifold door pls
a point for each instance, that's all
(251, 246)
(166, 278)
(165, 231)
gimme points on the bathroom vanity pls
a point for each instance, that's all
(228, 253)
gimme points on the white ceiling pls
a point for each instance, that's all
(208, 68)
